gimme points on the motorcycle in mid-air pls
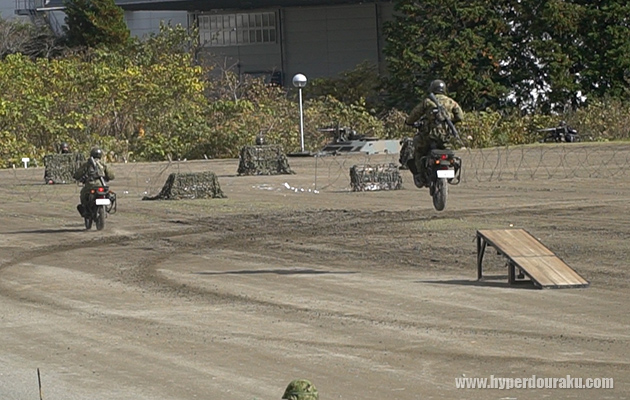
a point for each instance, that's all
(442, 167)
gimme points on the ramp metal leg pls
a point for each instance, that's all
(481, 248)
(511, 273)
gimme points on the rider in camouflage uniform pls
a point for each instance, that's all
(433, 133)
(300, 389)
(90, 175)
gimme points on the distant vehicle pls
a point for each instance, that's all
(563, 133)
(347, 140)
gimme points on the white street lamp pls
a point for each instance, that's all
(299, 81)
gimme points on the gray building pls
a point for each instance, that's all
(273, 38)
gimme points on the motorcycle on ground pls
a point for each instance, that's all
(101, 202)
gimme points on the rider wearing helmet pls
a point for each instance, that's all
(432, 133)
(64, 148)
(90, 174)
(260, 139)
(300, 389)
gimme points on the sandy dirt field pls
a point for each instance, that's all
(371, 295)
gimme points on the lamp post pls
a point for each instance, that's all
(299, 81)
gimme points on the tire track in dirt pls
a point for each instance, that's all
(238, 232)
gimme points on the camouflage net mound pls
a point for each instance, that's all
(61, 167)
(375, 177)
(263, 160)
(198, 185)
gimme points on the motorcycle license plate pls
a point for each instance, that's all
(446, 173)
(103, 202)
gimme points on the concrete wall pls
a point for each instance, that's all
(324, 41)
(7, 9)
(315, 41)
(142, 23)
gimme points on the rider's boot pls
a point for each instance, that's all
(81, 210)
(419, 176)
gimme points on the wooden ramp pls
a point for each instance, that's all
(530, 256)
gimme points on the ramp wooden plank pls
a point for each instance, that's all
(528, 254)
(518, 241)
(550, 271)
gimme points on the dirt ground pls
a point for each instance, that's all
(371, 295)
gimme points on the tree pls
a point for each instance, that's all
(462, 43)
(529, 54)
(93, 23)
(31, 40)
(605, 48)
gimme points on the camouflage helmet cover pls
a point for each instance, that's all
(96, 153)
(300, 389)
(437, 86)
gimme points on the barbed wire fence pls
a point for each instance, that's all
(564, 161)
(332, 172)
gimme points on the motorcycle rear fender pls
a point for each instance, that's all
(438, 153)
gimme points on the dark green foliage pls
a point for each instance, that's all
(605, 29)
(94, 23)
(459, 42)
(527, 55)
(361, 84)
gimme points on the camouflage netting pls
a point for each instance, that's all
(263, 160)
(375, 177)
(198, 185)
(61, 167)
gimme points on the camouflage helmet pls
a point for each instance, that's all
(300, 389)
(65, 147)
(437, 86)
(96, 153)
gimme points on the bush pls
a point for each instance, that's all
(152, 101)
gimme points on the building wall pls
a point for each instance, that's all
(320, 41)
(7, 9)
(143, 23)
(140, 23)
(324, 41)
(316, 41)
(257, 59)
